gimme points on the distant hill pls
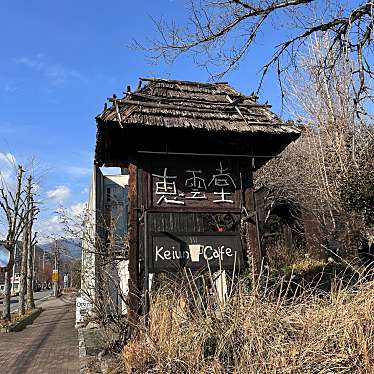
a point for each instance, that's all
(69, 247)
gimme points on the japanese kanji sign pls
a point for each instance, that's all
(195, 183)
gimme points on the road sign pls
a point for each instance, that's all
(4, 256)
(66, 280)
(55, 276)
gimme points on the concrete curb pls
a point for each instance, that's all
(89, 351)
(82, 349)
(81, 344)
(22, 323)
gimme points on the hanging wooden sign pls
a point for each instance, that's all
(171, 252)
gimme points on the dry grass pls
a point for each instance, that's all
(14, 318)
(257, 333)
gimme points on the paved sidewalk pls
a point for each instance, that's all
(49, 345)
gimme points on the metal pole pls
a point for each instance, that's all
(44, 279)
(55, 284)
(58, 271)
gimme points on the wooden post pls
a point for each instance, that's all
(252, 234)
(134, 287)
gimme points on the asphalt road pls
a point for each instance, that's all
(39, 298)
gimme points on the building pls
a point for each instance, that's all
(42, 267)
(104, 253)
(161, 132)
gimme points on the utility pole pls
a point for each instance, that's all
(44, 277)
(55, 274)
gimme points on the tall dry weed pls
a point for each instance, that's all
(257, 333)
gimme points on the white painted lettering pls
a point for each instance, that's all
(206, 255)
(167, 255)
(158, 252)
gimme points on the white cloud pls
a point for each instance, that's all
(10, 88)
(55, 219)
(8, 164)
(51, 227)
(55, 72)
(77, 209)
(59, 194)
(54, 224)
(7, 159)
(34, 62)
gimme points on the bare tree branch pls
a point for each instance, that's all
(223, 31)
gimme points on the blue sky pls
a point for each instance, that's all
(59, 62)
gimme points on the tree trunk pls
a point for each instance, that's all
(23, 273)
(25, 250)
(30, 291)
(30, 257)
(14, 220)
(7, 288)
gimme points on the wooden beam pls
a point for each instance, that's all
(159, 105)
(202, 101)
(134, 286)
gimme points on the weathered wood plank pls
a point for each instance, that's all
(134, 287)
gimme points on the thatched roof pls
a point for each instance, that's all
(169, 116)
(194, 105)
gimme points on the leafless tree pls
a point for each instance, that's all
(19, 212)
(221, 33)
(313, 171)
(13, 207)
(103, 284)
(29, 240)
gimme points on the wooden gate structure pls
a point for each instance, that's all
(190, 149)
